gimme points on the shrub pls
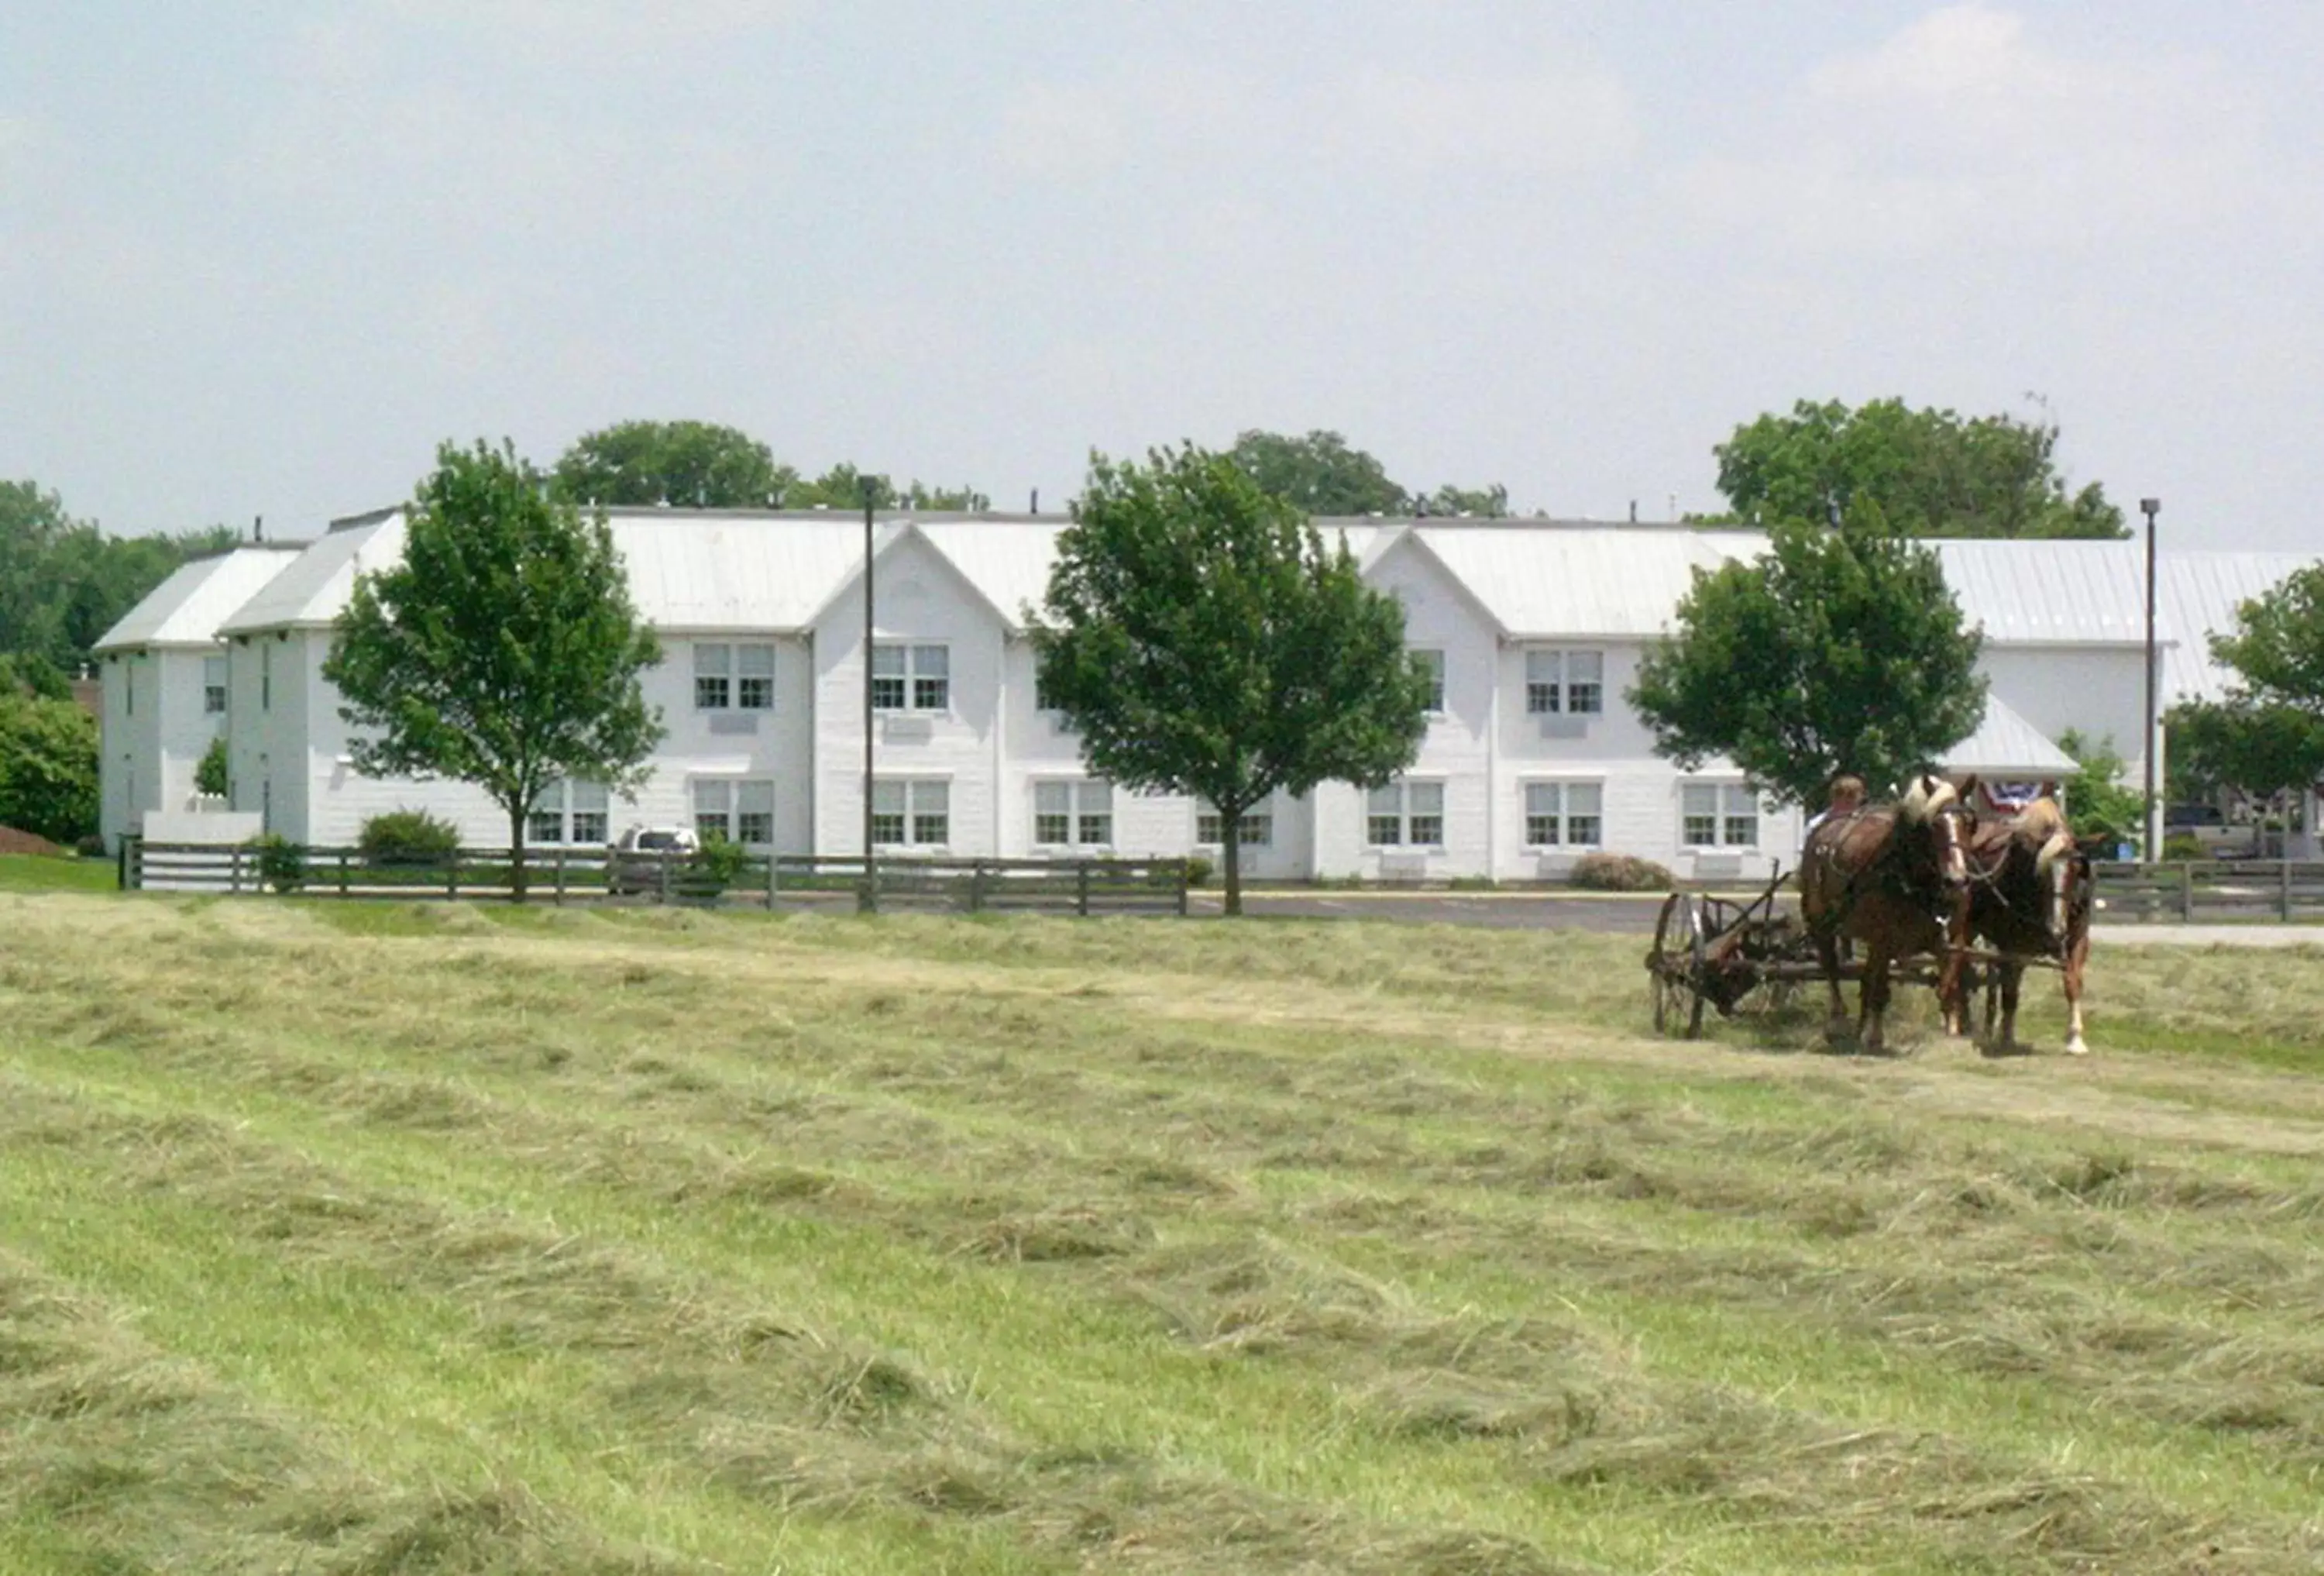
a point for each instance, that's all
(1620, 872)
(281, 863)
(47, 767)
(715, 866)
(408, 837)
(1198, 871)
(90, 847)
(210, 775)
(2182, 845)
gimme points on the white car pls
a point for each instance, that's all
(641, 852)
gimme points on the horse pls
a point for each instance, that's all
(2028, 894)
(1889, 876)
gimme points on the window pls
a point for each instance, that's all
(1072, 813)
(1431, 664)
(1565, 683)
(733, 676)
(754, 677)
(911, 812)
(1562, 814)
(713, 677)
(916, 678)
(213, 686)
(1718, 815)
(567, 812)
(1405, 813)
(1257, 827)
(734, 810)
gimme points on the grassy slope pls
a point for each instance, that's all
(32, 873)
(395, 1239)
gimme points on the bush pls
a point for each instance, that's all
(210, 775)
(47, 767)
(281, 863)
(1620, 872)
(408, 837)
(2182, 845)
(90, 847)
(1198, 871)
(715, 866)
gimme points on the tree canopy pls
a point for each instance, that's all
(687, 464)
(505, 650)
(1840, 651)
(1320, 473)
(63, 582)
(48, 767)
(2266, 738)
(1932, 472)
(1202, 640)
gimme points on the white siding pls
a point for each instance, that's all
(1458, 750)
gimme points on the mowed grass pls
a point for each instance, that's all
(49, 872)
(369, 1239)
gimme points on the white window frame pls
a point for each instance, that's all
(1431, 661)
(214, 686)
(727, 801)
(1550, 804)
(1410, 804)
(917, 811)
(714, 675)
(1732, 804)
(1565, 681)
(921, 672)
(1257, 830)
(724, 672)
(569, 813)
(1087, 812)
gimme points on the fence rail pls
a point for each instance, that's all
(2193, 891)
(575, 875)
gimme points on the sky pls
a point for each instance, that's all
(260, 259)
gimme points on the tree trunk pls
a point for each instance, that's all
(516, 855)
(1231, 849)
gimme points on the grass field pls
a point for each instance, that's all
(353, 1240)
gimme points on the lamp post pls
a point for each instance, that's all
(867, 900)
(2151, 507)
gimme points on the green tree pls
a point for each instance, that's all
(1838, 650)
(63, 583)
(841, 487)
(2099, 805)
(210, 772)
(2266, 738)
(1483, 502)
(686, 465)
(1204, 640)
(1932, 472)
(1319, 473)
(504, 651)
(47, 767)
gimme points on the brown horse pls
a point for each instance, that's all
(2028, 895)
(1889, 877)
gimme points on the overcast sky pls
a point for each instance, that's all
(260, 258)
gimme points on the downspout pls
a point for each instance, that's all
(1493, 760)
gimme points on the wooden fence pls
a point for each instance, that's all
(2194, 890)
(575, 875)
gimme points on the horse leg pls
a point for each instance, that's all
(2078, 952)
(1872, 999)
(2012, 974)
(1828, 956)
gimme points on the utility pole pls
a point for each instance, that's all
(2151, 507)
(867, 901)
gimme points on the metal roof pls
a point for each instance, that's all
(187, 608)
(2200, 594)
(1581, 581)
(2006, 746)
(2052, 593)
(315, 587)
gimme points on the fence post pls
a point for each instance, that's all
(976, 886)
(1183, 884)
(452, 877)
(2283, 885)
(1081, 889)
(342, 872)
(121, 864)
(559, 898)
(774, 877)
(2187, 891)
(663, 877)
(234, 871)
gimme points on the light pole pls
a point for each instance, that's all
(2151, 507)
(867, 901)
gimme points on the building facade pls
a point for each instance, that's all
(1532, 757)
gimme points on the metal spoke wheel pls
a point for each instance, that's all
(1676, 967)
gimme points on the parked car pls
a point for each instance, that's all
(640, 854)
(2208, 826)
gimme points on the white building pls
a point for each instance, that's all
(1531, 758)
